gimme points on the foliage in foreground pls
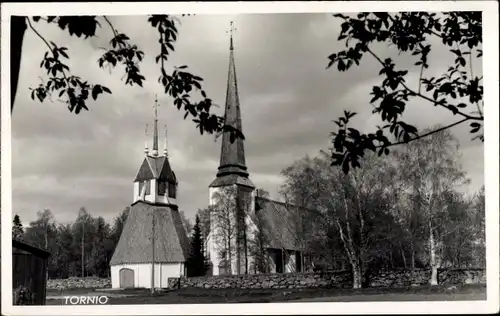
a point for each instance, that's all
(406, 212)
(76, 92)
(458, 90)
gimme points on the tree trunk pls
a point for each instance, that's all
(356, 276)
(433, 261)
(412, 256)
(17, 30)
(230, 258)
(245, 245)
(404, 258)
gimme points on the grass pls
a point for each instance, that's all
(205, 296)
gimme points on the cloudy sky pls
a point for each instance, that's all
(62, 161)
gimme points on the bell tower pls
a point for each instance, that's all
(156, 181)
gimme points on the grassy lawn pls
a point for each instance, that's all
(205, 296)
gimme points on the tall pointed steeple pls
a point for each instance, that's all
(232, 159)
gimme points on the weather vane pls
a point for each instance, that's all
(155, 106)
(231, 30)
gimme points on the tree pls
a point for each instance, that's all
(353, 212)
(257, 246)
(458, 90)
(119, 224)
(64, 254)
(188, 226)
(17, 228)
(41, 232)
(196, 263)
(224, 228)
(76, 92)
(204, 215)
(433, 174)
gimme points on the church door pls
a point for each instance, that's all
(126, 278)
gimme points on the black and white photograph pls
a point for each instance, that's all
(288, 157)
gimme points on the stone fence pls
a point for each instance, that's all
(74, 283)
(340, 279)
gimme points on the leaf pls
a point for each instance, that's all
(96, 90)
(62, 52)
(453, 109)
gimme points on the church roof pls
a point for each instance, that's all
(232, 157)
(135, 244)
(156, 168)
(230, 179)
(284, 225)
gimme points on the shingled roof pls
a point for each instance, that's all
(156, 168)
(171, 242)
(283, 225)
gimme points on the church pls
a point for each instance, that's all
(154, 246)
(279, 227)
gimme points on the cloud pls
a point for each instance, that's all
(64, 161)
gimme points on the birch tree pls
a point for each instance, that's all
(355, 206)
(224, 213)
(431, 169)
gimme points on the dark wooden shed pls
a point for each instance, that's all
(29, 270)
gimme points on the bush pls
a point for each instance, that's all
(23, 296)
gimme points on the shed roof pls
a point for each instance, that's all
(41, 253)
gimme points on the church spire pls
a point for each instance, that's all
(155, 128)
(165, 150)
(231, 36)
(146, 149)
(232, 159)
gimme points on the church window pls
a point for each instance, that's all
(141, 185)
(162, 188)
(147, 183)
(171, 190)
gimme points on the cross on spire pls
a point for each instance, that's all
(231, 30)
(165, 150)
(155, 127)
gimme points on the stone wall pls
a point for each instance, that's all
(73, 283)
(340, 279)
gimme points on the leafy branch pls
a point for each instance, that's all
(179, 84)
(409, 32)
(77, 91)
